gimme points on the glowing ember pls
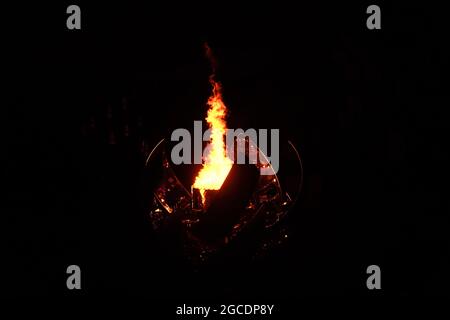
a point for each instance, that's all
(216, 164)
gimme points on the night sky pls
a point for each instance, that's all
(367, 110)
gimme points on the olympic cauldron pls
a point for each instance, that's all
(247, 211)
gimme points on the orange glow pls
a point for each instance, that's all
(216, 164)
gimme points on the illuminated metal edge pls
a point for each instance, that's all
(172, 198)
(280, 231)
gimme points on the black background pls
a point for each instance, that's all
(366, 108)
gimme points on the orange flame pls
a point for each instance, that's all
(216, 164)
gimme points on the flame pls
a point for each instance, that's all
(216, 164)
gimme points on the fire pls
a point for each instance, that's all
(216, 164)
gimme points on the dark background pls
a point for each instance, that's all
(366, 108)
